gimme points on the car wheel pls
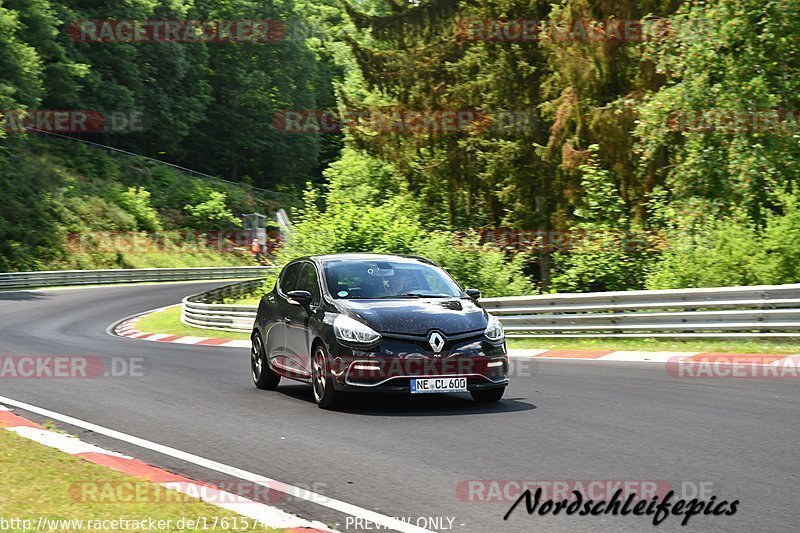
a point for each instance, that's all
(263, 376)
(322, 380)
(488, 395)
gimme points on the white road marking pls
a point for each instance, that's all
(156, 336)
(189, 340)
(236, 344)
(62, 442)
(300, 493)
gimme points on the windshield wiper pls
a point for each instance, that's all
(411, 295)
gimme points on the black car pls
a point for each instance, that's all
(376, 323)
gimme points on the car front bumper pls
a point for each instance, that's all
(390, 366)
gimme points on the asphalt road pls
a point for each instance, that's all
(735, 438)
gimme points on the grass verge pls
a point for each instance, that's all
(38, 481)
(169, 321)
(753, 346)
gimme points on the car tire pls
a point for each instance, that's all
(263, 376)
(488, 395)
(322, 380)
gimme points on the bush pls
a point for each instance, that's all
(136, 201)
(604, 260)
(607, 252)
(729, 252)
(366, 215)
(725, 254)
(781, 244)
(213, 213)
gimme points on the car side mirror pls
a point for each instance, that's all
(475, 294)
(301, 298)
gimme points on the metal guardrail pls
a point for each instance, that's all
(204, 310)
(54, 278)
(758, 311)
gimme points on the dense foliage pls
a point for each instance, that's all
(192, 95)
(623, 137)
(666, 158)
(66, 205)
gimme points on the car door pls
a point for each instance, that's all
(276, 329)
(298, 330)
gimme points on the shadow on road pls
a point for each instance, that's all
(372, 404)
(22, 295)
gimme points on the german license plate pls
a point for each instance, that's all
(434, 385)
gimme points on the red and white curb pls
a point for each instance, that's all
(268, 516)
(127, 328)
(655, 357)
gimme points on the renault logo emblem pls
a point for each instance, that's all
(436, 341)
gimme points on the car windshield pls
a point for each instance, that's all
(367, 279)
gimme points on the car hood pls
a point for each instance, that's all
(418, 316)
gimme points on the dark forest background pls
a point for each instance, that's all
(606, 168)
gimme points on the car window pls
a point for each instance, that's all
(289, 277)
(308, 282)
(435, 281)
(359, 279)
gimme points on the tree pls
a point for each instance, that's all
(725, 61)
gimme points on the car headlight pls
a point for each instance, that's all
(494, 330)
(351, 330)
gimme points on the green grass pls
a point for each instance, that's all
(152, 259)
(41, 481)
(178, 260)
(169, 321)
(771, 346)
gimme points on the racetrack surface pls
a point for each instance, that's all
(406, 457)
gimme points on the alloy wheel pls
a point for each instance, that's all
(256, 361)
(319, 372)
